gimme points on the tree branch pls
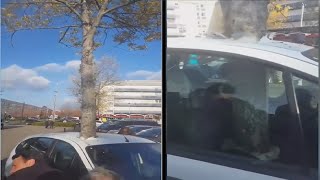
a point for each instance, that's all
(121, 21)
(40, 28)
(72, 9)
(97, 4)
(101, 13)
(120, 6)
(64, 34)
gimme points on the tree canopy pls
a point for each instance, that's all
(87, 24)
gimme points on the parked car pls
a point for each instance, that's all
(226, 100)
(98, 123)
(30, 121)
(122, 123)
(153, 134)
(133, 128)
(131, 157)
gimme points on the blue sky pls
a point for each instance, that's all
(37, 65)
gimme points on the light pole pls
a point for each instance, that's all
(302, 13)
(129, 110)
(54, 104)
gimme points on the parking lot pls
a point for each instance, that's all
(11, 135)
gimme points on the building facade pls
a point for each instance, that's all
(187, 18)
(134, 98)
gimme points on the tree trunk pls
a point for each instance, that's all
(249, 20)
(88, 103)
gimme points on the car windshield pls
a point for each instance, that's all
(150, 132)
(312, 54)
(133, 161)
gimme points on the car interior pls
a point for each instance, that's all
(186, 106)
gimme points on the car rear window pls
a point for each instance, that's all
(312, 54)
(134, 161)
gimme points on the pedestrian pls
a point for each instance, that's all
(100, 173)
(46, 123)
(51, 124)
(30, 164)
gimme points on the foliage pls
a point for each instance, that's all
(82, 23)
(278, 14)
(127, 20)
(56, 124)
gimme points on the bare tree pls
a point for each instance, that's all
(105, 75)
(83, 23)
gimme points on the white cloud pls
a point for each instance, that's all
(75, 64)
(51, 67)
(54, 67)
(143, 74)
(15, 77)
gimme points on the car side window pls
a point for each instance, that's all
(235, 107)
(24, 143)
(43, 144)
(63, 154)
(307, 93)
(63, 158)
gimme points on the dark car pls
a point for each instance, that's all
(122, 123)
(137, 128)
(153, 134)
(31, 121)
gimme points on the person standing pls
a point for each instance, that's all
(46, 123)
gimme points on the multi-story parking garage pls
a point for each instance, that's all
(134, 98)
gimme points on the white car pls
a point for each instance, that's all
(240, 110)
(129, 156)
(98, 123)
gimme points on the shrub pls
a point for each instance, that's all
(56, 124)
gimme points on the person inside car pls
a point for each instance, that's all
(30, 164)
(100, 173)
(236, 125)
(126, 131)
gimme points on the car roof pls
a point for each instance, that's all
(140, 126)
(102, 138)
(284, 53)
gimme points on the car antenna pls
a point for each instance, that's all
(127, 140)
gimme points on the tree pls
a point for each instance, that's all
(82, 24)
(278, 14)
(105, 75)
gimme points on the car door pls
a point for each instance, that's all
(66, 158)
(43, 144)
(232, 117)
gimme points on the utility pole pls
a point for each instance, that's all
(22, 110)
